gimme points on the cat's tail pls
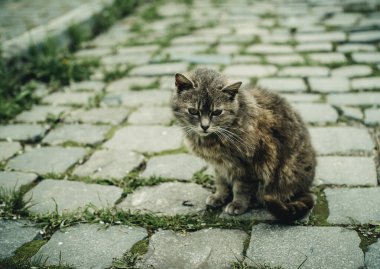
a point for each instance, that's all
(292, 210)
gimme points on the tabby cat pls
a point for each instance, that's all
(258, 145)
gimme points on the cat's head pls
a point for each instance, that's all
(204, 102)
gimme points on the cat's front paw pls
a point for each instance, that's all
(215, 201)
(235, 208)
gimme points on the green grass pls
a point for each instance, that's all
(12, 204)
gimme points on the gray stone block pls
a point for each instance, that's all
(46, 160)
(42, 113)
(327, 58)
(331, 84)
(98, 115)
(335, 36)
(138, 98)
(302, 98)
(282, 84)
(126, 84)
(146, 138)
(67, 196)
(68, 98)
(372, 256)
(176, 166)
(352, 112)
(329, 140)
(110, 164)
(89, 245)
(365, 36)
(167, 199)
(304, 247)
(159, 69)
(22, 132)
(250, 70)
(14, 234)
(346, 171)
(285, 59)
(316, 113)
(208, 248)
(269, 49)
(151, 115)
(370, 83)
(78, 133)
(304, 71)
(372, 116)
(9, 149)
(351, 71)
(314, 47)
(354, 47)
(12, 181)
(366, 98)
(87, 85)
(366, 57)
(358, 205)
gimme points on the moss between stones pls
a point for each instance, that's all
(320, 212)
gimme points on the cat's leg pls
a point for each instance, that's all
(242, 193)
(221, 194)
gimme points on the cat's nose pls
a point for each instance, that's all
(205, 127)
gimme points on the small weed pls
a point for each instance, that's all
(119, 72)
(203, 179)
(320, 212)
(12, 204)
(150, 13)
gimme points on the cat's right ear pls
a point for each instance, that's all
(183, 83)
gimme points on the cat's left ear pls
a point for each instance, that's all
(183, 83)
(232, 89)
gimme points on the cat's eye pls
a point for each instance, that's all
(193, 111)
(217, 112)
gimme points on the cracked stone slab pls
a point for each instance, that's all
(176, 166)
(106, 164)
(128, 83)
(316, 113)
(283, 84)
(22, 132)
(78, 133)
(9, 149)
(107, 115)
(250, 70)
(208, 248)
(67, 196)
(352, 112)
(346, 171)
(47, 160)
(306, 247)
(167, 199)
(328, 140)
(138, 98)
(372, 256)
(356, 205)
(14, 234)
(149, 115)
(41, 113)
(146, 138)
(159, 69)
(68, 98)
(89, 245)
(12, 181)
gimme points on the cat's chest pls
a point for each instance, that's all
(214, 152)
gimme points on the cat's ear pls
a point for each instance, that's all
(232, 89)
(183, 83)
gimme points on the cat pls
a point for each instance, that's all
(259, 146)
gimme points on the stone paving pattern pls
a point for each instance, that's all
(322, 56)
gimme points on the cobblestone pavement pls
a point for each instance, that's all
(323, 56)
(16, 17)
